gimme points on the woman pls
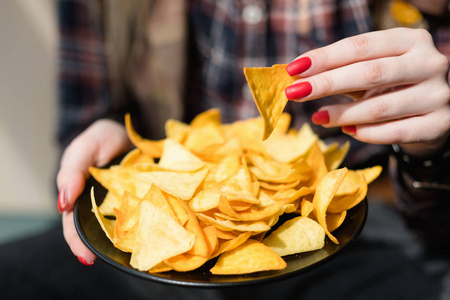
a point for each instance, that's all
(160, 59)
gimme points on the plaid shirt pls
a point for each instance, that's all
(227, 36)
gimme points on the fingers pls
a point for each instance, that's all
(393, 105)
(412, 115)
(362, 76)
(422, 129)
(364, 47)
(397, 77)
(99, 144)
(374, 60)
(78, 248)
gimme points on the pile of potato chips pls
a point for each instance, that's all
(212, 190)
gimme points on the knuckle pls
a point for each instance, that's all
(326, 85)
(322, 56)
(441, 63)
(373, 73)
(445, 95)
(446, 119)
(422, 35)
(377, 110)
(397, 135)
(360, 44)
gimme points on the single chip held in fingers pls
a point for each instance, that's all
(267, 85)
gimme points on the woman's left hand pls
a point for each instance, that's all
(399, 82)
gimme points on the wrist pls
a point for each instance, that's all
(425, 171)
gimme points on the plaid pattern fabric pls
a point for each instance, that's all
(228, 35)
(83, 78)
(231, 35)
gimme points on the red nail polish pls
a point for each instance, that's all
(84, 262)
(299, 90)
(349, 129)
(62, 201)
(298, 66)
(321, 117)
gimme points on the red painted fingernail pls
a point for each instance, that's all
(299, 90)
(84, 262)
(62, 201)
(321, 117)
(298, 66)
(349, 129)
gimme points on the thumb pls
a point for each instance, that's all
(97, 146)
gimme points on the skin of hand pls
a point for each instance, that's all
(399, 83)
(96, 146)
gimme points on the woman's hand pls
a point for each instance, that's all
(96, 146)
(399, 82)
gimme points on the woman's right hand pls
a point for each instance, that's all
(96, 146)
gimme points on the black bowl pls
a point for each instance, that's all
(95, 239)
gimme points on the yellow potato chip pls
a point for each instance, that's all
(282, 126)
(207, 118)
(176, 130)
(178, 208)
(289, 148)
(118, 180)
(148, 147)
(335, 220)
(306, 207)
(187, 261)
(266, 169)
(249, 132)
(351, 183)
(157, 198)
(201, 247)
(110, 201)
(127, 220)
(250, 257)
(279, 186)
(227, 167)
(316, 160)
(211, 238)
(343, 203)
(226, 235)
(177, 158)
(107, 225)
(160, 268)
(238, 186)
(135, 156)
(293, 194)
(297, 235)
(198, 139)
(216, 152)
(227, 225)
(254, 213)
(179, 184)
(158, 238)
(333, 159)
(267, 85)
(324, 195)
(232, 243)
(370, 174)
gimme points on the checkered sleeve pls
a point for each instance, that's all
(82, 77)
